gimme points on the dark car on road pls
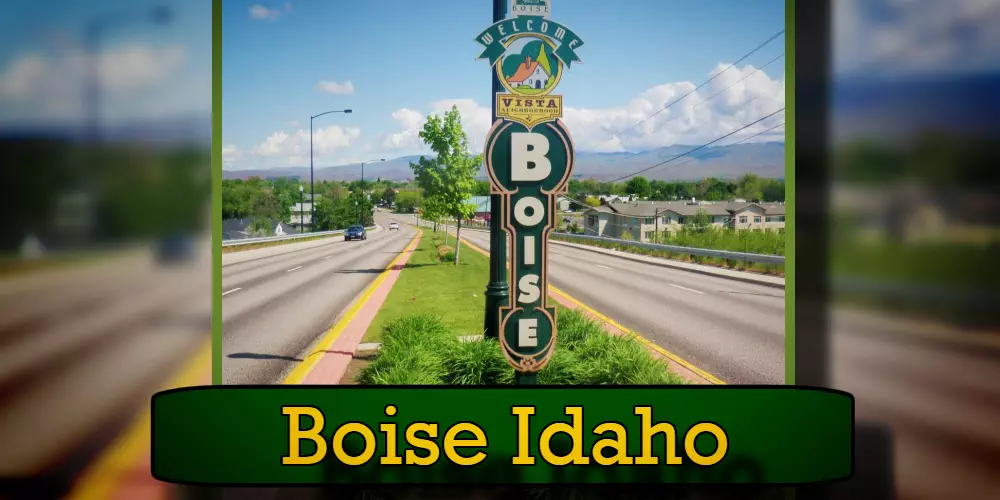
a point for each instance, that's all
(355, 232)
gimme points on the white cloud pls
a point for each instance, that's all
(911, 37)
(50, 85)
(687, 122)
(336, 88)
(259, 11)
(231, 155)
(282, 148)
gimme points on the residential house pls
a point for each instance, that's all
(564, 203)
(642, 219)
(238, 229)
(531, 74)
(302, 212)
(482, 204)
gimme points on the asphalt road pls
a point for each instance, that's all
(81, 351)
(278, 301)
(731, 329)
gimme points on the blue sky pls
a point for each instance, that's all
(149, 71)
(405, 59)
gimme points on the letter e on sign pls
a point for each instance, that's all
(528, 162)
(526, 334)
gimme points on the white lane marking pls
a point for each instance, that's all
(293, 269)
(605, 267)
(231, 291)
(327, 257)
(685, 288)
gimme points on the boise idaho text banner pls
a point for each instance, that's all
(280, 435)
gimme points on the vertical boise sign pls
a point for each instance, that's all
(529, 159)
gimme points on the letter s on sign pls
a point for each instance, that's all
(527, 288)
(529, 148)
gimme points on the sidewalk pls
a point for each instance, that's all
(329, 361)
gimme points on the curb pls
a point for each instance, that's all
(324, 361)
(659, 261)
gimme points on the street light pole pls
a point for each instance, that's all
(312, 186)
(497, 290)
(302, 207)
(364, 199)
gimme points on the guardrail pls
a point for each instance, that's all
(250, 241)
(703, 252)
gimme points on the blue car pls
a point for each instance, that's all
(355, 232)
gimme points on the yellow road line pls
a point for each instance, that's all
(299, 373)
(99, 481)
(652, 345)
(648, 343)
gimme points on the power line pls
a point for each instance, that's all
(741, 141)
(702, 146)
(713, 77)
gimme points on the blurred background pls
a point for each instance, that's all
(105, 284)
(915, 228)
(105, 259)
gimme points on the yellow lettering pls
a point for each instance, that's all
(433, 453)
(619, 444)
(720, 449)
(390, 458)
(575, 432)
(451, 442)
(295, 434)
(522, 457)
(338, 443)
(647, 458)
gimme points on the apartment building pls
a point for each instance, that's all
(642, 219)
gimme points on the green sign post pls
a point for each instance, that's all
(529, 159)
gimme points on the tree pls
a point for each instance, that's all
(638, 186)
(450, 178)
(483, 188)
(408, 201)
(591, 201)
(701, 221)
(750, 187)
(389, 196)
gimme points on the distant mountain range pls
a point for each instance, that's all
(728, 162)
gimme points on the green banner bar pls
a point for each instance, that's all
(492, 38)
(721, 434)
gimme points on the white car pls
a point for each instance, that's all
(393, 225)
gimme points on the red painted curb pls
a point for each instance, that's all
(334, 362)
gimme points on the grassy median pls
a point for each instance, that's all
(429, 284)
(434, 302)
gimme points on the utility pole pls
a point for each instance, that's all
(497, 290)
(302, 207)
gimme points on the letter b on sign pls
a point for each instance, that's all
(528, 162)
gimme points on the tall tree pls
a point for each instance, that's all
(449, 178)
(638, 186)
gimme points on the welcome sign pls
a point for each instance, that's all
(529, 160)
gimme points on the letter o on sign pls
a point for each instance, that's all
(537, 211)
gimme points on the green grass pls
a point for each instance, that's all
(422, 349)
(429, 285)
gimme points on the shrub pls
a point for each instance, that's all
(422, 350)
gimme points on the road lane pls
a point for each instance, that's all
(286, 300)
(84, 349)
(731, 329)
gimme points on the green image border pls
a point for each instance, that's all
(790, 192)
(217, 191)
